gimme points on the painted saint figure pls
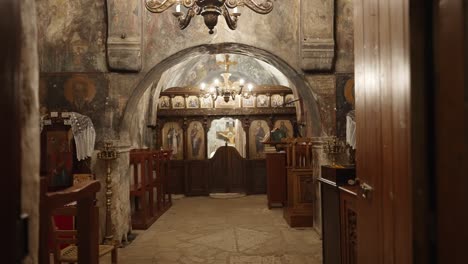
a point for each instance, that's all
(173, 139)
(196, 140)
(259, 136)
(284, 128)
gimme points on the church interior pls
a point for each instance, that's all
(234, 131)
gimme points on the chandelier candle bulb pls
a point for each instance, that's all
(178, 8)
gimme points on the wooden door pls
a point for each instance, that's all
(411, 138)
(382, 72)
(227, 171)
(10, 166)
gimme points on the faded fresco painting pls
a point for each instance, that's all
(196, 141)
(173, 139)
(226, 131)
(258, 131)
(71, 36)
(285, 126)
(72, 92)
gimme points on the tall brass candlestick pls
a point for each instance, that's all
(108, 154)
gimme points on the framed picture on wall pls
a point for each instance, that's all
(164, 102)
(263, 100)
(178, 102)
(192, 102)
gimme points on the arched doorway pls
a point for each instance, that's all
(138, 112)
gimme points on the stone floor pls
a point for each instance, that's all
(229, 231)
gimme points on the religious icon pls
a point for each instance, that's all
(276, 100)
(79, 92)
(262, 100)
(285, 126)
(248, 102)
(178, 102)
(164, 102)
(288, 99)
(172, 139)
(206, 102)
(258, 132)
(192, 102)
(59, 159)
(196, 139)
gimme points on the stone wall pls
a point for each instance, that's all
(29, 108)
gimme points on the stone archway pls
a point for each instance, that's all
(136, 110)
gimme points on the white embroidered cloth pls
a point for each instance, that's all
(351, 130)
(84, 134)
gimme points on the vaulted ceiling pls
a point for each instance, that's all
(205, 68)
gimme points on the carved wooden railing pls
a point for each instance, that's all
(84, 194)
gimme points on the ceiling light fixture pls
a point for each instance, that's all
(227, 89)
(209, 9)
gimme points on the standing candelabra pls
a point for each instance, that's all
(334, 148)
(108, 155)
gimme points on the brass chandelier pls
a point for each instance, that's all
(209, 9)
(227, 89)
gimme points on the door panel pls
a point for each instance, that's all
(227, 171)
(382, 73)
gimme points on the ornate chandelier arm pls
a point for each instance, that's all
(157, 6)
(231, 21)
(184, 20)
(264, 7)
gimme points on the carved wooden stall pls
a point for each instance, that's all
(300, 183)
(196, 169)
(84, 194)
(149, 192)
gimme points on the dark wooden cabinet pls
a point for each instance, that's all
(276, 179)
(338, 215)
(330, 199)
(348, 224)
